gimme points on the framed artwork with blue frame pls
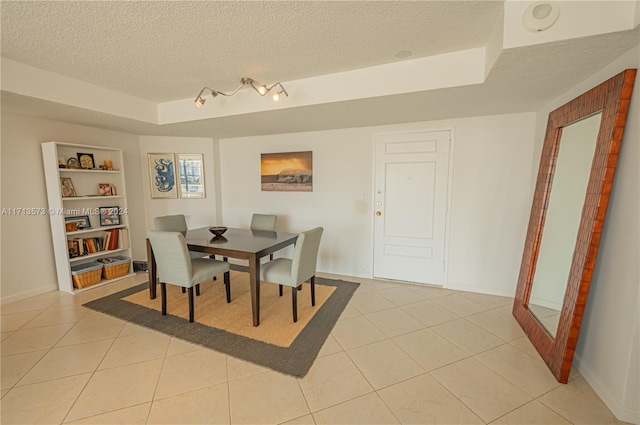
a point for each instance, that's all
(162, 174)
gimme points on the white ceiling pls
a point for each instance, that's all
(163, 51)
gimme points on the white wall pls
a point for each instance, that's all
(607, 351)
(490, 196)
(27, 250)
(198, 212)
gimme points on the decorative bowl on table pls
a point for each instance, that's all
(217, 230)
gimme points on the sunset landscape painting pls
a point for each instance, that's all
(287, 171)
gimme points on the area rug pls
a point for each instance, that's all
(278, 343)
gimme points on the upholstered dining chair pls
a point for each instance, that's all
(301, 268)
(264, 222)
(176, 267)
(175, 223)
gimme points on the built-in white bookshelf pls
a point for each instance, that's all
(81, 202)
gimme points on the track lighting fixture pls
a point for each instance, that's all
(262, 90)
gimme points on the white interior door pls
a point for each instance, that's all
(411, 179)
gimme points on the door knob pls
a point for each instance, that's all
(378, 213)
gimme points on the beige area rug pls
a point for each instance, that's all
(211, 308)
(277, 343)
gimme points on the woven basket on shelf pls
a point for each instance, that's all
(83, 280)
(118, 270)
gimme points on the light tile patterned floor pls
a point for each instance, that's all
(399, 354)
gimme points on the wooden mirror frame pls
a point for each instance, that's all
(612, 98)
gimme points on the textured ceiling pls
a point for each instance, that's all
(162, 51)
(168, 50)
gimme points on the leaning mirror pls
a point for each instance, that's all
(574, 181)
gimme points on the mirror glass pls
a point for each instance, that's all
(564, 211)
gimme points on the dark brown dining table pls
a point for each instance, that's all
(245, 244)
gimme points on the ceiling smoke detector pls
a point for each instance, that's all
(540, 16)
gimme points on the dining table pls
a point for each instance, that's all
(247, 244)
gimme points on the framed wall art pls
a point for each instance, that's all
(162, 175)
(287, 172)
(191, 174)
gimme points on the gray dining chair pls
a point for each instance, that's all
(301, 268)
(176, 267)
(264, 222)
(175, 223)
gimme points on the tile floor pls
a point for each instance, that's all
(399, 354)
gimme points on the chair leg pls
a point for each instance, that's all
(191, 304)
(313, 290)
(280, 289)
(294, 300)
(213, 257)
(163, 289)
(227, 286)
(197, 290)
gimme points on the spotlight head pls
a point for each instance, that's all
(262, 90)
(200, 102)
(276, 96)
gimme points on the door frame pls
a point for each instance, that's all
(447, 232)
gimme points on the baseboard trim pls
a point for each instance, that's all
(620, 412)
(479, 290)
(26, 294)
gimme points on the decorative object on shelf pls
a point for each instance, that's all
(87, 274)
(68, 191)
(218, 230)
(191, 174)
(104, 189)
(114, 192)
(62, 163)
(108, 164)
(86, 160)
(162, 175)
(114, 267)
(261, 89)
(73, 163)
(287, 172)
(109, 216)
(82, 222)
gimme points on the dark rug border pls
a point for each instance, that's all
(295, 360)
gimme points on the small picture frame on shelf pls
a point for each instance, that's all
(73, 163)
(86, 160)
(109, 216)
(68, 191)
(80, 222)
(104, 189)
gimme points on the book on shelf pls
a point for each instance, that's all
(84, 246)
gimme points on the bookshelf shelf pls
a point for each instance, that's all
(89, 184)
(91, 198)
(92, 230)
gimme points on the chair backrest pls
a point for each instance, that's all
(305, 255)
(172, 257)
(264, 222)
(171, 223)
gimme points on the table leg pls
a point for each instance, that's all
(254, 280)
(151, 263)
